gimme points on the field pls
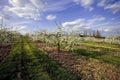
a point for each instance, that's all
(59, 39)
(25, 62)
(58, 57)
(98, 61)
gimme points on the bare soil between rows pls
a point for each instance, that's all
(4, 51)
(87, 68)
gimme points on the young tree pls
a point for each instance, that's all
(41, 36)
(57, 38)
(72, 40)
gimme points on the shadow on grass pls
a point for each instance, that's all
(99, 55)
(90, 54)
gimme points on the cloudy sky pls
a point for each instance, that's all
(73, 15)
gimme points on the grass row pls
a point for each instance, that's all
(107, 58)
(9, 68)
(52, 68)
(25, 62)
(101, 45)
(32, 67)
(108, 53)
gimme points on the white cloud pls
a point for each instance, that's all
(106, 30)
(113, 7)
(21, 27)
(82, 23)
(72, 23)
(4, 16)
(22, 22)
(29, 9)
(108, 5)
(51, 17)
(35, 7)
(96, 23)
(18, 28)
(102, 3)
(85, 3)
(96, 19)
(57, 5)
(16, 3)
(111, 30)
(38, 4)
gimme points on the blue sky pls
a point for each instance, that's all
(73, 15)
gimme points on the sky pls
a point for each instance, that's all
(72, 15)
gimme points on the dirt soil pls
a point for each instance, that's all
(87, 68)
(4, 50)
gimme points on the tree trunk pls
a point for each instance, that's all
(58, 45)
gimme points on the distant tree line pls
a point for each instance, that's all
(95, 34)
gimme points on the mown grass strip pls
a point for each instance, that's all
(21, 64)
(9, 68)
(32, 67)
(25, 62)
(107, 58)
(52, 68)
(112, 47)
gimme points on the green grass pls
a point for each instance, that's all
(8, 69)
(97, 61)
(51, 67)
(32, 68)
(101, 45)
(28, 63)
(102, 56)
